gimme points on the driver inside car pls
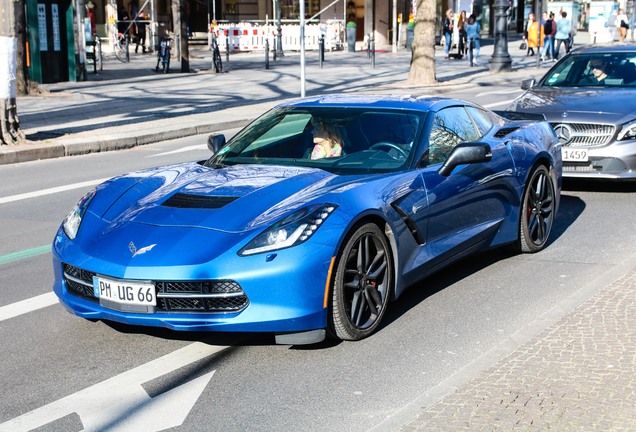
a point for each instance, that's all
(327, 141)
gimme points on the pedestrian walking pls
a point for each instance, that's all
(623, 25)
(140, 36)
(473, 30)
(461, 29)
(532, 35)
(449, 26)
(549, 30)
(562, 36)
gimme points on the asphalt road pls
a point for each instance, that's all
(67, 374)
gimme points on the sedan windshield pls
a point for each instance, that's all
(594, 69)
(339, 140)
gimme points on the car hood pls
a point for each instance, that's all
(614, 106)
(230, 199)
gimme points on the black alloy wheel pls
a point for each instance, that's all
(537, 212)
(362, 285)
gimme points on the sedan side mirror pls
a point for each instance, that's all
(466, 153)
(215, 142)
(528, 83)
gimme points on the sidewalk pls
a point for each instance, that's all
(129, 104)
(579, 374)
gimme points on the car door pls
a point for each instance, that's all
(466, 207)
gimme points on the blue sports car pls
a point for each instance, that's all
(311, 219)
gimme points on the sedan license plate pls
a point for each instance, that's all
(574, 155)
(124, 291)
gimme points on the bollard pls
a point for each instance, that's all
(266, 54)
(227, 49)
(127, 52)
(321, 50)
(274, 50)
(369, 46)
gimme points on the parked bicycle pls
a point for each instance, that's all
(216, 54)
(120, 43)
(163, 54)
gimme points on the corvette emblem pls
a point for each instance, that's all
(133, 249)
(564, 133)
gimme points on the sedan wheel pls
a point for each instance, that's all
(362, 285)
(537, 215)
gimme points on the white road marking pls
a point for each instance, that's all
(121, 404)
(51, 191)
(181, 150)
(28, 305)
(495, 104)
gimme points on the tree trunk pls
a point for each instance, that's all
(423, 47)
(10, 132)
(21, 78)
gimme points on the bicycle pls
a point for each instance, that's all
(163, 54)
(216, 55)
(120, 44)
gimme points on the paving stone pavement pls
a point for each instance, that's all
(577, 375)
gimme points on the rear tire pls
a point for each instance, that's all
(363, 284)
(537, 211)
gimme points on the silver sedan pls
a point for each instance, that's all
(589, 98)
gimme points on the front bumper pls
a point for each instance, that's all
(285, 290)
(615, 161)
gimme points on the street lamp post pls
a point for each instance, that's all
(279, 30)
(501, 60)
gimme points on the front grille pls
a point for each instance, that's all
(578, 167)
(79, 282)
(181, 296)
(587, 134)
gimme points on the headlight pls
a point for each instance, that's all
(73, 220)
(291, 231)
(628, 132)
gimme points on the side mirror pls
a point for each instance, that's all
(215, 142)
(466, 153)
(528, 83)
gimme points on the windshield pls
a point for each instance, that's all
(594, 69)
(339, 140)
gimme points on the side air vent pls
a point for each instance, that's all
(181, 200)
(504, 131)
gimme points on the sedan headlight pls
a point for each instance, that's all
(628, 132)
(73, 220)
(295, 229)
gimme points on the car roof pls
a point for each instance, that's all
(419, 103)
(604, 49)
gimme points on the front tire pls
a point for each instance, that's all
(363, 284)
(537, 211)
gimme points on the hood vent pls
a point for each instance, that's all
(181, 200)
(504, 131)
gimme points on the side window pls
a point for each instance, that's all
(481, 118)
(451, 126)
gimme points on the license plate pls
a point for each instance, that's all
(574, 155)
(124, 291)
